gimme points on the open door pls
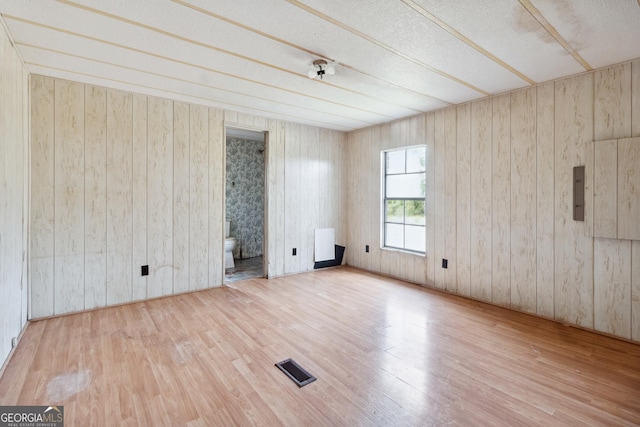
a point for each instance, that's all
(245, 204)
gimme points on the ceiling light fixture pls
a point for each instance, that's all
(320, 68)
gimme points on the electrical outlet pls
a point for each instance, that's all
(445, 263)
(295, 252)
(144, 270)
(366, 248)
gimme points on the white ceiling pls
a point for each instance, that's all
(394, 58)
(252, 135)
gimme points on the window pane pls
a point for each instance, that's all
(416, 159)
(394, 235)
(415, 238)
(405, 178)
(414, 212)
(395, 211)
(401, 186)
(395, 162)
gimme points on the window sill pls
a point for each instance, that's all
(404, 251)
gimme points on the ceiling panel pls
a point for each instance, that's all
(506, 31)
(393, 58)
(400, 29)
(315, 37)
(603, 32)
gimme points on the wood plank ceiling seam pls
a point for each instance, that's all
(145, 52)
(537, 15)
(200, 84)
(385, 46)
(176, 36)
(237, 55)
(253, 56)
(172, 92)
(457, 34)
(302, 48)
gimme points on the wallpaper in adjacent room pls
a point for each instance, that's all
(245, 195)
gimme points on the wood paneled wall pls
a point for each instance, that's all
(306, 189)
(14, 190)
(122, 180)
(499, 202)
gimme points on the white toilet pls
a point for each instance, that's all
(229, 246)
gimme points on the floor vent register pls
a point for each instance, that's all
(297, 373)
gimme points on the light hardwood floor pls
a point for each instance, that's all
(384, 352)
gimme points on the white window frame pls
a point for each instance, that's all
(384, 198)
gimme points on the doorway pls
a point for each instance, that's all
(245, 204)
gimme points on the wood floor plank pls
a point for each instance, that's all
(385, 353)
